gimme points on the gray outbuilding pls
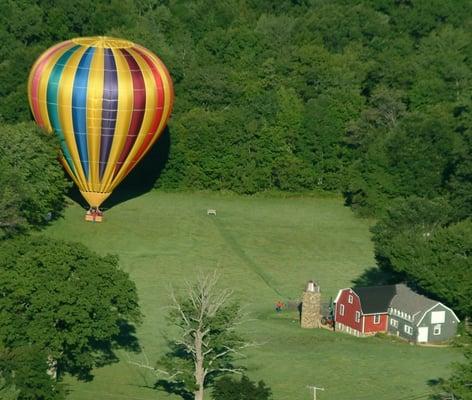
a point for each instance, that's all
(416, 318)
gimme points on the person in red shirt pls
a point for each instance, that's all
(278, 306)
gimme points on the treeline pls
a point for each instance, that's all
(370, 98)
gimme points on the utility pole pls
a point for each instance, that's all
(315, 389)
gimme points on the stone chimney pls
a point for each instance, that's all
(311, 306)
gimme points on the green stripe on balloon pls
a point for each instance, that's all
(52, 105)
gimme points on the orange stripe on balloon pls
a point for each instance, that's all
(36, 76)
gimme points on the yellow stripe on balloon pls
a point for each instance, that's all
(94, 116)
(124, 113)
(64, 100)
(151, 104)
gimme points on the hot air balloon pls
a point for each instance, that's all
(108, 101)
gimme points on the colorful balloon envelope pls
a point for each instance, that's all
(108, 101)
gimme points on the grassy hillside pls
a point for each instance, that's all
(266, 249)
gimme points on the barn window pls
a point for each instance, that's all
(437, 329)
(341, 309)
(394, 323)
(358, 316)
(377, 319)
(408, 329)
(438, 317)
(350, 299)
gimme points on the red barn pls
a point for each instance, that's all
(363, 311)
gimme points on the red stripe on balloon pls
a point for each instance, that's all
(139, 106)
(37, 77)
(159, 109)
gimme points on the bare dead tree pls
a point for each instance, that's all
(207, 341)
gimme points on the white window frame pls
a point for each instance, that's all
(394, 322)
(437, 329)
(408, 329)
(377, 319)
(438, 317)
(358, 316)
(350, 299)
(341, 309)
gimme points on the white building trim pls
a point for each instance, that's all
(432, 308)
(339, 294)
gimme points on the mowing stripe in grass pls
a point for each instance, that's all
(237, 249)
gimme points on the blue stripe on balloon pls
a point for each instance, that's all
(79, 107)
(52, 105)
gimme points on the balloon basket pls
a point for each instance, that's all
(94, 216)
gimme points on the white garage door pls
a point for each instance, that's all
(423, 334)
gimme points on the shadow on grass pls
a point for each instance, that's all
(376, 276)
(436, 385)
(140, 180)
(177, 388)
(126, 338)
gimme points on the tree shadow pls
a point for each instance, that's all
(435, 382)
(436, 385)
(140, 180)
(126, 338)
(177, 388)
(376, 276)
(177, 354)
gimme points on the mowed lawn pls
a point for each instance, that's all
(265, 249)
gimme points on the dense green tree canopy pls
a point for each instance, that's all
(367, 97)
(24, 372)
(418, 241)
(66, 300)
(32, 183)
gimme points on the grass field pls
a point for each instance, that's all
(265, 249)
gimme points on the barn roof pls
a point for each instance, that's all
(408, 301)
(375, 299)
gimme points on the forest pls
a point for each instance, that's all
(367, 98)
(370, 99)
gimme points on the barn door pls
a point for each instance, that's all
(423, 334)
